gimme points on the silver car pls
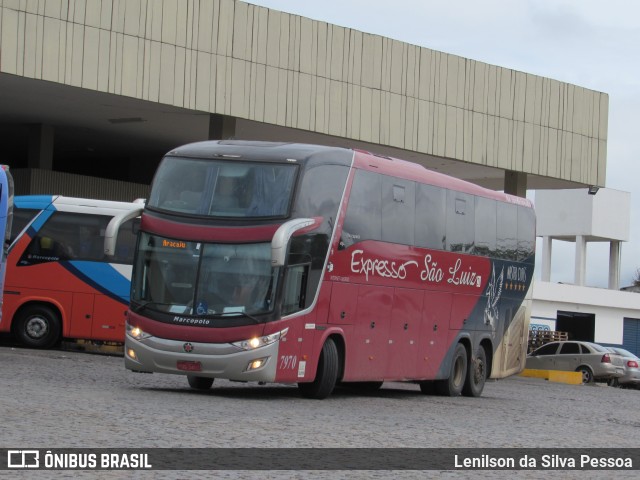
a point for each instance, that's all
(597, 363)
(631, 377)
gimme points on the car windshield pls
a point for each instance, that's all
(597, 348)
(229, 189)
(623, 352)
(202, 279)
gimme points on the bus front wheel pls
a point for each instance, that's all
(38, 326)
(476, 374)
(452, 386)
(326, 375)
(199, 383)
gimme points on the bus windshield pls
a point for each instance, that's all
(202, 279)
(213, 188)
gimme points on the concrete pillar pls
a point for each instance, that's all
(614, 265)
(581, 260)
(40, 147)
(546, 259)
(515, 183)
(221, 127)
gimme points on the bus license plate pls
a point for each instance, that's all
(189, 366)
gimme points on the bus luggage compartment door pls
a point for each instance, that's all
(344, 302)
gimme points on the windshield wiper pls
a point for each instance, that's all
(142, 305)
(237, 314)
(139, 307)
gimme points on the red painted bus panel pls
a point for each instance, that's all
(367, 350)
(404, 334)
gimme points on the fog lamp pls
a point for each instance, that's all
(256, 364)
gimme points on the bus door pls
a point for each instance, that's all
(81, 323)
(434, 332)
(109, 319)
(369, 343)
(404, 333)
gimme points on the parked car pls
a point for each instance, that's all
(631, 377)
(597, 363)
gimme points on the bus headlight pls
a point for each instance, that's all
(136, 332)
(257, 342)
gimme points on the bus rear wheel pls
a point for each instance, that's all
(326, 375)
(476, 374)
(38, 326)
(452, 386)
(199, 383)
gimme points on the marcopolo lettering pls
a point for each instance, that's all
(191, 321)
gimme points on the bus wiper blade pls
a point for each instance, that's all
(237, 314)
(142, 305)
(139, 307)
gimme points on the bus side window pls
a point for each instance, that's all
(460, 226)
(364, 211)
(68, 236)
(21, 218)
(430, 217)
(295, 286)
(125, 246)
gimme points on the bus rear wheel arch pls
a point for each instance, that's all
(326, 374)
(37, 325)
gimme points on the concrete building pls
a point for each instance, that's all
(607, 316)
(105, 87)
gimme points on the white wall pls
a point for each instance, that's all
(610, 307)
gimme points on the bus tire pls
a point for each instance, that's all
(476, 374)
(326, 375)
(199, 383)
(452, 386)
(38, 326)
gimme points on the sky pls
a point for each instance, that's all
(590, 43)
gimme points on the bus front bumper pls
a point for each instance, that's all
(213, 360)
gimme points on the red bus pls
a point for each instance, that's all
(59, 282)
(320, 266)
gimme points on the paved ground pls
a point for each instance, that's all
(57, 399)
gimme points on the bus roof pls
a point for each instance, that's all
(40, 202)
(300, 152)
(413, 171)
(261, 151)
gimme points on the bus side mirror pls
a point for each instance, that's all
(281, 238)
(111, 233)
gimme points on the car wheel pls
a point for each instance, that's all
(38, 326)
(613, 382)
(199, 383)
(326, 375)
(587, 374)
(476, 374)
(452, 386)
